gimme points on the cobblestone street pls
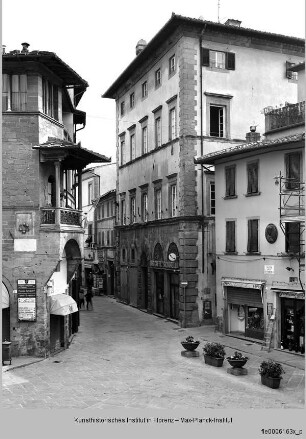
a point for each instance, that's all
(124, 358)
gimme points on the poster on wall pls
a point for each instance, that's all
(26, 300)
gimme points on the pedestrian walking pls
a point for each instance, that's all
(81, 299)
(89, 294)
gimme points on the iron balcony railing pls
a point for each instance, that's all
(53, 215)
(289, 115)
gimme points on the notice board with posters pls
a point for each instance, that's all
(26, 300)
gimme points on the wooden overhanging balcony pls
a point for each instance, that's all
(61, 216)
(288, 116)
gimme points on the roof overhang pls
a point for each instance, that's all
(260, 147)
(54, 64)
(71, 155)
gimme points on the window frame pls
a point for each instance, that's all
(123, 211)
(90, 192)
(253, 236)
(144, 89)
(144, 207)
(230, 59)
(132, 100)
(133, 208)
(212, 199)
(172, 128)
(221, 101)
(292, 238)
(132, 145)
(157, 77)
(158, 202)
(252, 188)
(230, 236)
(144, 139)
(122, 108)
(295, 184)
(172, 65)
(229, 185)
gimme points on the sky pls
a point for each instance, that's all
(97, 38)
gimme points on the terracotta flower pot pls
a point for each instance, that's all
(271, 382)
(190, 346)
(213, 361)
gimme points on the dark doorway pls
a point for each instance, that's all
(174, 296)
(57, 341)
(293, 324)
(5, 324)
(159, 283)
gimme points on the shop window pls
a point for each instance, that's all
(253, 244)
(230, 181)
(292, 237)
(252, 174)
(255, 322)
(230, 246)
(293, 170)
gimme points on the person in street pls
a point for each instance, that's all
(88, 296)
(81, 299)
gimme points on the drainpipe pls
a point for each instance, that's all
(202, 146)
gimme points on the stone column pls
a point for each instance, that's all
(57, 192)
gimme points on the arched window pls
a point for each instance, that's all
(158, 253)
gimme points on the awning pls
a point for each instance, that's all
(62, 305)
(5, 297)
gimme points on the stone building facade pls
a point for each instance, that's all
(193, 88)
(42, 244)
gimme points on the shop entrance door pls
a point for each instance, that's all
(159, 283)
(174, 296)
(293, 324)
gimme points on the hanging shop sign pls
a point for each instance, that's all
(26, 300)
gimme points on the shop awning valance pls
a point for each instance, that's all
(291, 294)
(62, 305)
(5, 297)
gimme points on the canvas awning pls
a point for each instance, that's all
(5, 297)
(62, 305)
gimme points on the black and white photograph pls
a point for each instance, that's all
(153, 219)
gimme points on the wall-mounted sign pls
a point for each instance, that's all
(269, 269)
(269, 309)
(271, 233)
(165, 264)
(26, 300)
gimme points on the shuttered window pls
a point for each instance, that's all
(252, 170)
(230, 176)
(244, 296)
(293, 167)
(292, 236)
(230, 237)
(253, 236)
(218, 59)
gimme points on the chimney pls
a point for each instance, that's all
(252, 136)
(232, 22)
(3, 49)
(140, 46)
(25, 47)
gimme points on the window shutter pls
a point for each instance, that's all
(230, 61)
(230, 236)
(205, 57)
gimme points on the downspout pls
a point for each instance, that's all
(202, 147)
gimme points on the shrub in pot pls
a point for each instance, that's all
(190, 344)
(271, 373)
(214, 354)
(237, 360)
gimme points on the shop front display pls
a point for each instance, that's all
(293, 324)
(245, 312)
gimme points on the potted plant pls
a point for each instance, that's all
(271, 373)
(237, 360)
(190, 344)
(214, 354)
